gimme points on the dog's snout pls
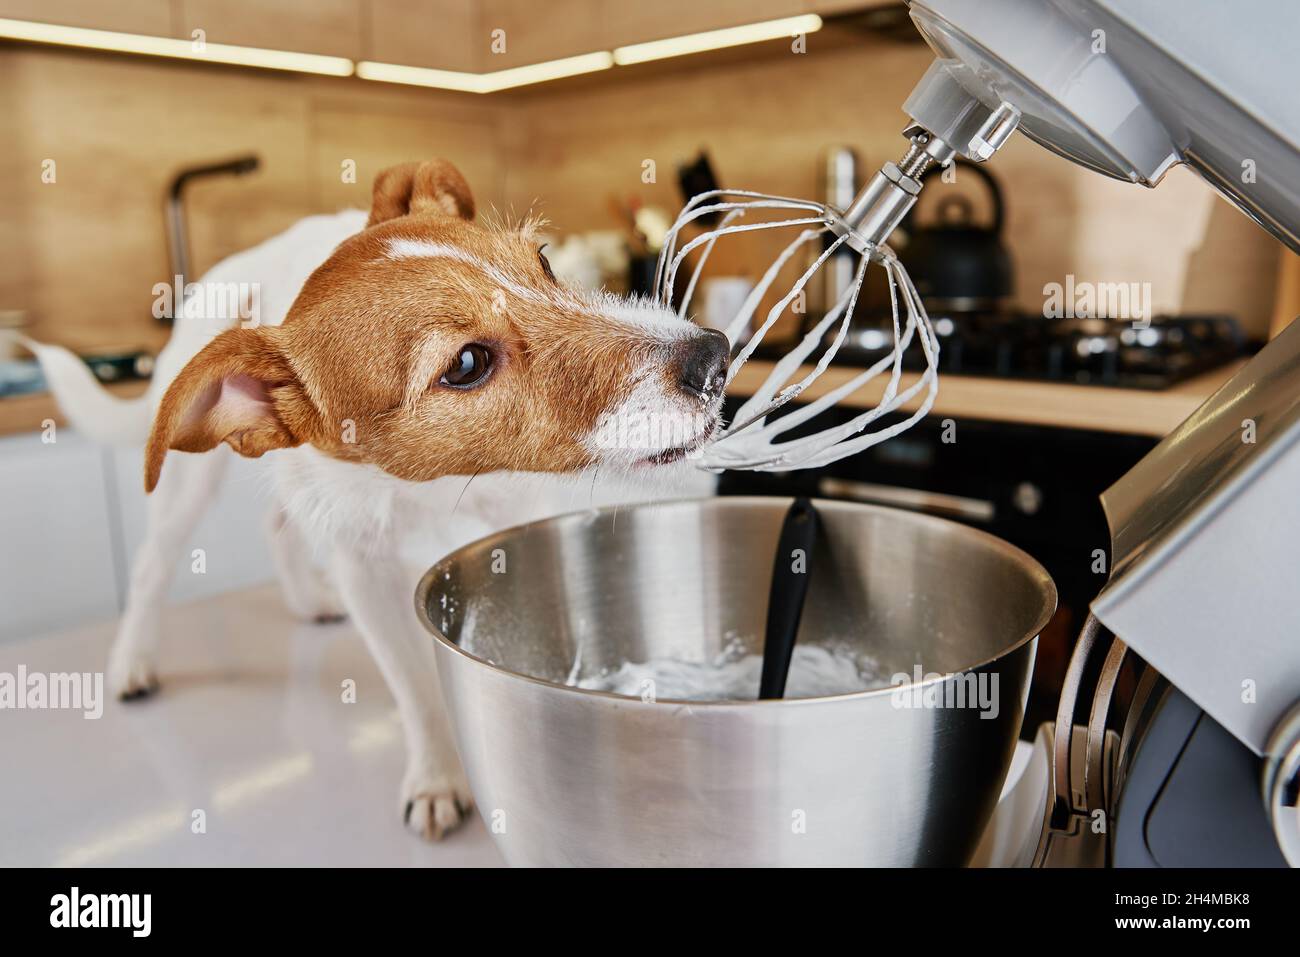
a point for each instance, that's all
(703, 363)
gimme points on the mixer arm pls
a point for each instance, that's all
(1125, 87)
(1128, 88)
(947, 121)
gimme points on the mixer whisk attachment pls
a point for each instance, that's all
(750, 441)
(753, 441)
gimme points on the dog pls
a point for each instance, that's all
(407, 364)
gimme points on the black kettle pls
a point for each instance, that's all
(956, 264)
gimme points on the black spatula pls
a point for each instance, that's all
(791, 570)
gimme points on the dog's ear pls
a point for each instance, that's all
(434, 186)
(227, 393)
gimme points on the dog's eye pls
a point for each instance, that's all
(470, 368)
(546, 265)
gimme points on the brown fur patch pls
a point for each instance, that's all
(434, 186)
(240, 390)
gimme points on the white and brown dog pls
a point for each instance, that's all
(394, 350)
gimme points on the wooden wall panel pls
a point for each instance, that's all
(80, 256)
(19, 178)
(376, 133)
(118, 129)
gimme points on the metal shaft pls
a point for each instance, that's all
(886, 199)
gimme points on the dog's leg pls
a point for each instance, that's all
(377, 593)
(182, 496)
(306, 588)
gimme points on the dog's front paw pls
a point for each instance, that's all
(328, 617)
(130, 677)
(321, 606)
(434, 807)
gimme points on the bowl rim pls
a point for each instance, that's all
(1050, 598)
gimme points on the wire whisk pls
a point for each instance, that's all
(751, 441)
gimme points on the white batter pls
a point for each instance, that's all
(814, 672)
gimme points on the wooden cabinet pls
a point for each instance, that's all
(152, 17)
(474, 36)
(534, 32)
(442, 34)
(831, 7)
(482, 36)
(628, 23)
(331, 27)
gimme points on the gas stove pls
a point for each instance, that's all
(1094, 351)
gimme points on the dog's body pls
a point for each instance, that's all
(349, 388)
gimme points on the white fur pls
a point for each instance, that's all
(650, 423)
(655, 321)
(645, 315)
(422, 249)
(377, 532)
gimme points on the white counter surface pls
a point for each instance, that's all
(249, 726)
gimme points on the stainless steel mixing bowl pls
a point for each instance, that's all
(567, 776)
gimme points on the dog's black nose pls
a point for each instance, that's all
(704, 361)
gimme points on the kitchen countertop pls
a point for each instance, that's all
(249, 726)
(1026, 402)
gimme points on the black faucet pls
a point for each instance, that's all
(178, 244)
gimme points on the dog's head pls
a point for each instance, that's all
(431, 345)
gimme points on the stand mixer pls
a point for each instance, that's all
(1204, 768)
